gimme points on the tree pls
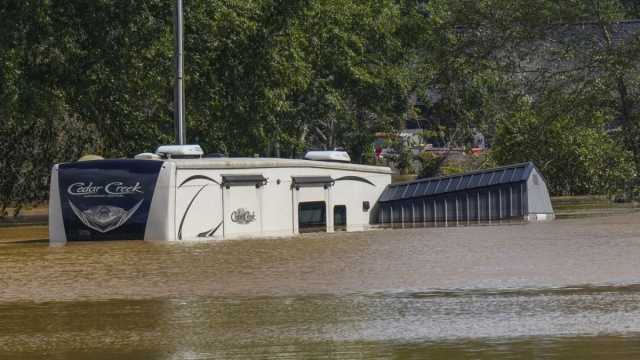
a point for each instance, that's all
(576, 157)
(280, 77)
(79, 77)
(574, 64)
(270, 77)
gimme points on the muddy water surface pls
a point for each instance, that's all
(564, 289)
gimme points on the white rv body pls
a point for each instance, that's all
(210, 198)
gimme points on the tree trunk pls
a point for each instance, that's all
(630, 126)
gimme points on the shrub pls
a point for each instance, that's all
(576, 157)
(430, 164)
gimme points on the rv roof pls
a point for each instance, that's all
(249, 163)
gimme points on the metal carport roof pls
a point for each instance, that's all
(454, 183)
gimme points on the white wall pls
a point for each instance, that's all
(538, 200)
(274, 204)
(161, 222)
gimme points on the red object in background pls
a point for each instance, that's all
(378, 152)
(476, 151)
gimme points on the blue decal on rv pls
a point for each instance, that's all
(107, 199)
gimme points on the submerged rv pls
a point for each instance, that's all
(182, 196)
(176, 194)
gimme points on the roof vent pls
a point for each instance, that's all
(91, 157)
(339, 156)
(147, 156)
(180, 151)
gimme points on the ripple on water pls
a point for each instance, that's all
(529, 290)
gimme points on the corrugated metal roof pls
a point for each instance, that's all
(458, 182)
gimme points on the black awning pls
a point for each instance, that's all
(243, 180)
(312, 181)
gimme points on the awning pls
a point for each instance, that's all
(299, 181)
(243, 180)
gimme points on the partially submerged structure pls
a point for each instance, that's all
(210, 198)
(511, 192)
(175, 194)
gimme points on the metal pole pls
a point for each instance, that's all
(478, 208)
(413, 214)
(178, 96)
(446, 213)
(468, 214)
(457, 214)
(435, 213)
(489, 205)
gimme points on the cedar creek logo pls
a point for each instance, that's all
(112, 189)
(101, 217)
(243, 216)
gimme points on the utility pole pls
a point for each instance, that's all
(178, 96)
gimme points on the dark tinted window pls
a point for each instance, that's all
(340, 218)
(312, 217)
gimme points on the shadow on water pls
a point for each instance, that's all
(33, 241)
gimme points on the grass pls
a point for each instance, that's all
(30, 225)
(23, 233)
(590, 205)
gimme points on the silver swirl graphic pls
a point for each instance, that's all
(104, 218)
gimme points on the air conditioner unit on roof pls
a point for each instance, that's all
(180, 151)
(340, 156)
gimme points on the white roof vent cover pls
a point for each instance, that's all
(180, 151)
(147, 156)
(340, 156)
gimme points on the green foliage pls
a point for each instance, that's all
(275, 78)
(437, 134)
(37, 124)
(451, 170)
(574, 63)
(278, 77)
(429, 164)
(576, 156)
(404, 159)
(270, 77)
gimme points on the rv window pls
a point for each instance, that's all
(312, 217)
(340, 218)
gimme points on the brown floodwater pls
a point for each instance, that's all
(563, 289)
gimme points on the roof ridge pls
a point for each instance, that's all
(474, 172)
(436, 186)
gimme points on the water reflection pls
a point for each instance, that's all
(565, 289)
(474, 325)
